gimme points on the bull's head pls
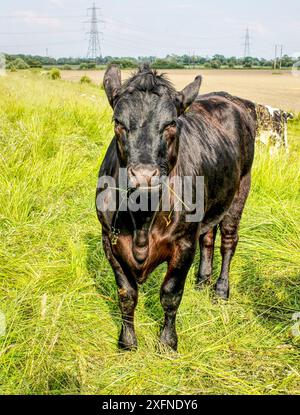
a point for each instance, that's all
(146, 111)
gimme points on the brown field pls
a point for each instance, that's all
(258, 85)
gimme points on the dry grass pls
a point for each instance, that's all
(282, 91)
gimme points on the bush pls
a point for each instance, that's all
(85, 80)
(165, 64)
(54, 74)
(34, 63)
(88, 65)
(18, 63)
(12, 68)
(67, 67)
(36, 70)
(124, 63)
(248, 62)
(215, 64)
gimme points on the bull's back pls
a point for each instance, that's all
(220, 126)
(217, 142)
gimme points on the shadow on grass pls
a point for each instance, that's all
(272, 299)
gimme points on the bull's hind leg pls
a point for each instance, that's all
(207, 246)
(229, 235)
(128, 296)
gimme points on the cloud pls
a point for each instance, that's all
(58, 3)
(121, 27)
(31, 18)
(259, 28)
(241, 25)
(184, 6)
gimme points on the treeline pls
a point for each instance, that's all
(169, 62)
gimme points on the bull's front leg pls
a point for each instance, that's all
(128, 296)
(172, 290)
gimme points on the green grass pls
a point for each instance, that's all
(58, 292)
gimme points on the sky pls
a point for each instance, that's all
(150, 27)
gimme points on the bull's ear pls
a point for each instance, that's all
(188, 95)
(112, 83)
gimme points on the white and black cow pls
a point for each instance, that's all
(272, 127)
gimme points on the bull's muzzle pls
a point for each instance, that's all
(144, 177)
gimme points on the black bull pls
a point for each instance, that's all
(159, 131)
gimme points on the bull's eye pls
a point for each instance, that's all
(170, 126)
(119, 127)
(119, 124)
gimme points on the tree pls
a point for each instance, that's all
(18, 63)
(125, 63)
(215, 64)
(164, 64)
(88, 65)
(34, 63)
(67, 67)
(287, 61)
(248, 62)
(220, 58)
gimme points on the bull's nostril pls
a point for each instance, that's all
(133, 179)
(143, 176)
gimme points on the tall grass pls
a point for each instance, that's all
(58, 292)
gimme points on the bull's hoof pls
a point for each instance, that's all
(222, 291)
(127, 340)
(169, 340)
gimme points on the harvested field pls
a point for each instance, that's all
(263, 86)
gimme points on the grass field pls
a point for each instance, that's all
(263, 86)
(58, 292)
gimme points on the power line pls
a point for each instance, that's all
(94, 48)
(247, 44)
(281, 54)
(278, 56)
(40, 33)
(42, 44)
(36, 16)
